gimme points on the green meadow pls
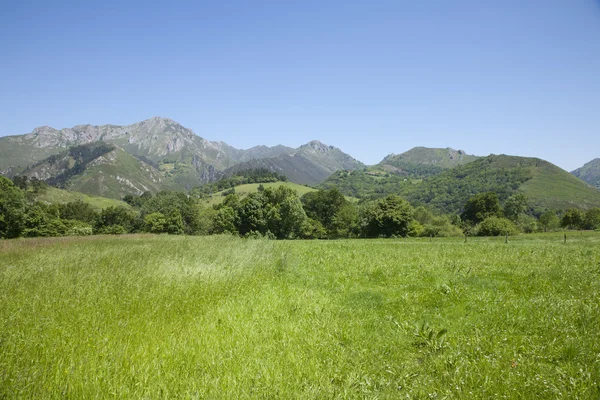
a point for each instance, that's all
(155, 317)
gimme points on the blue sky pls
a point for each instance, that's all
(370, 77)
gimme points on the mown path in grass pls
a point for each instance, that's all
(222, 317)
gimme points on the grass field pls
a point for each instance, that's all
(222, 317)
(55, 195)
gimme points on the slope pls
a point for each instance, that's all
(546, 185)
(54, 195)
(421, 162)
(589, 173)
(100, 169)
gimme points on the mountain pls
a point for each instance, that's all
(100, 169)
(546, 185)
(181, 155)
(589, 173)
(420, 162)
(309, 164)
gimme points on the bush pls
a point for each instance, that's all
(77, 228)
(528, 224)
(112, 230)
(495, 226)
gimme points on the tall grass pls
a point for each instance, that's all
(222, 317)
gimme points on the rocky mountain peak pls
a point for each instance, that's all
(318, 146)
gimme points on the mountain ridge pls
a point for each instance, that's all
(589, 172)
(189, 159)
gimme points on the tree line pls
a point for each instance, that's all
(278, 213)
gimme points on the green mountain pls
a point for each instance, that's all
(309, 164)
(100, 169)
(420, 162)
(546, 185)
(589, 173)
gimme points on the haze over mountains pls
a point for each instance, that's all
(160, 154)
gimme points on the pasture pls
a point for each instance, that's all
(144, 316)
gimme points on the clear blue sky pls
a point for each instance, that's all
(371, 77)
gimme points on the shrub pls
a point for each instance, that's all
(112, 230)
(495, 226)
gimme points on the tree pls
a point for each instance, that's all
(21, 182)
(155, 223)
(480, 207)
(322, 205)
(592, 219)
(514, 206)
(387, 217)
(549, 220)
(12, 209)
(114, 216)
(495, 226)
(283, 212)
(174, 206)
(78, 210)
(42, 220)
(573, 219)
(345, 222)
(224, 220)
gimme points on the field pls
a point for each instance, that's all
(146, 316)
(55, 195)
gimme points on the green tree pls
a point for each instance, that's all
(78, 210)
(284, 212)
(592, 218)
(12, 209)
(480, 207)
(114, 216)
(21, 182)
(549, 220)
(345, 222)
(174, 206)
(387, 217)
(224, 220)
(155, 222)
(42, 220)
(573, 219)
(515, 205)
(495, 226)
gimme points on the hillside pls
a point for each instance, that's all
(369, 183)
(309, 164)
(421, 162)
(589, 173)
(546, 185)
(100, 169)
(52, 195)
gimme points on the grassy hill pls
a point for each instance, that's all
(368, 183)
(546, 185)
(55, 195)
(589, 173)
(420, 162)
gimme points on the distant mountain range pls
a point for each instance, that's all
(160, 154)
(171, 154)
